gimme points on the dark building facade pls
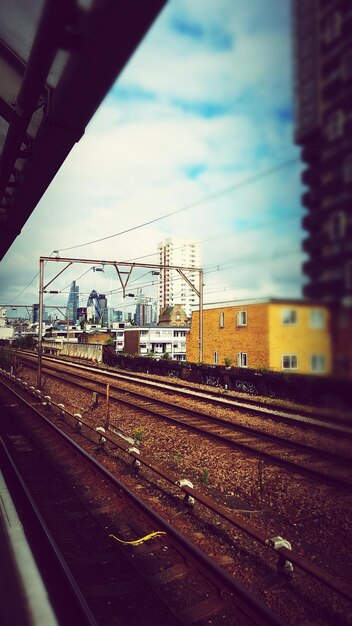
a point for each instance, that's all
(35, 313)
(322, 37)
(323, 93)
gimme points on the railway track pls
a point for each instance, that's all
(322, 421)
(101, 532)
(242, 398)
(332, 467)
(79, 427)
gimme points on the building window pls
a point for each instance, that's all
(242, 359)
(332, 30)
(241, 318)
(342, 320)
(222, 320)
(317, 363)
(216, 357)
(348, 275)
(337, 226)
(347, 169)
(335, 125)
(289, 317)
(289, 361)
(347, 66)
(316, 319)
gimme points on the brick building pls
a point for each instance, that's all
(173, 316)
(279, 335)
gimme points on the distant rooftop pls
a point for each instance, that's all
(250, 301)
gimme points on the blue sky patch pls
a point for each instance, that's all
(221, 39)
(205, 109)
(214, 36)
(194, 170)
(284, 114)
(187, 28)
(133, 92)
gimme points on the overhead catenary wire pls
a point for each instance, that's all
(257, 226)
(214, 267)
(209, 198)
(208, 269)
(221, 192)
(29, 284)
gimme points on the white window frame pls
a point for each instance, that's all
(216, 357)
(222, 319)
(290, 357)
(242, 359)
(289, 317)
(316, 318)
(241, 318)
(317, 363)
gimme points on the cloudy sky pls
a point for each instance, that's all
(198, 125)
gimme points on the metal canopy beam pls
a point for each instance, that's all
(103, 39)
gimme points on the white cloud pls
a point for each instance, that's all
(159, 125)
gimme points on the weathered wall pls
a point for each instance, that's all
(299, 339)
(231, 339)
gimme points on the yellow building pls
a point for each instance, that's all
(280, 335)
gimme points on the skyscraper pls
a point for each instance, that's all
(144, 314)
(73, 302)
(173, 289)
(97, 309)
(322, 32)
(104, 313)
(93, 308)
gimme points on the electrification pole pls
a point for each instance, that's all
(40, 330)
(200, 316)
(123, 280)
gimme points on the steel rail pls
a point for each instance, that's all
(246, 602)
(334, 583)
(289, 415)
(299, 446)
(302, 418)
(79, 607)
(304, 470)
